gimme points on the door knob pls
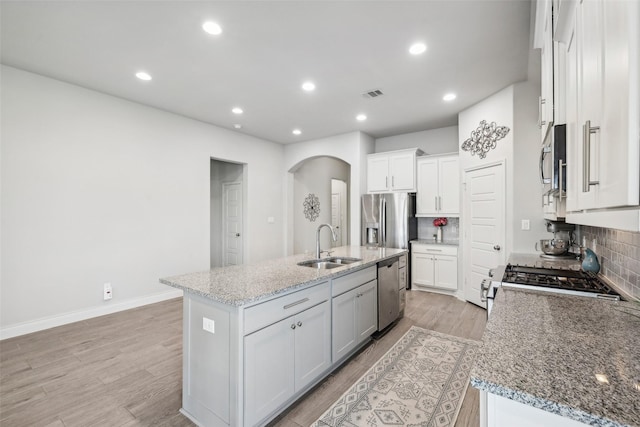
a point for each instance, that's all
(496, 248)
(299, 323)
(237, 234)
(293, 326)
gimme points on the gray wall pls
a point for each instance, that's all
(97, 189)
(434, 141)
(314, 176)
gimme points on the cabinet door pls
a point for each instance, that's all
(366, 310)
(590, 67)
(377, 174)
(312, 344)
(449, 180)
(344, 324)
(446, 272)
(546, 77)
(427, 194)
(574, 167)
(618, 152)
(422, 269)
(269, 369)
(402, 172)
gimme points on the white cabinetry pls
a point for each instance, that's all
(438, 186)
(355, 311)
(284, 357)
(544, 41)
(505, 412)
(392, 171)
(603, 113)
(434, 266)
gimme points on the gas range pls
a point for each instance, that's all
(558, 280)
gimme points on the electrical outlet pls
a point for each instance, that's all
(526, 224)
(209, 325)
(108, 293)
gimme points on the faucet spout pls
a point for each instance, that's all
(333, 237)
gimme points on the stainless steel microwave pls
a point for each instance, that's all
(553, 160)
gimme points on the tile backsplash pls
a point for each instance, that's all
(619, 255)
(426, 229)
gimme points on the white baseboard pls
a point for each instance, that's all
(76, 316)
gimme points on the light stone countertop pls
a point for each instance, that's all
(243, 284)
(544, 350)
(433, 242)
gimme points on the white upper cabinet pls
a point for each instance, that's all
(544, 41)
(392, 171)
(438, 186)
(603, 113)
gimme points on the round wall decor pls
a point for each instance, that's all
(311, 207)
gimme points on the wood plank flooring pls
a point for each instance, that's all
(125, 369)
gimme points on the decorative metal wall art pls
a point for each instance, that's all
(484, 138)
(311, 207)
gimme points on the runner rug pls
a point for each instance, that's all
(421, 381)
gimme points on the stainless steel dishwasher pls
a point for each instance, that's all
(388, 294)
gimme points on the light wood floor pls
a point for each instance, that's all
(125, 369)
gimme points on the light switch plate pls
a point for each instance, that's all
(209, 325)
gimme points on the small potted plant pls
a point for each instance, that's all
(439, 223)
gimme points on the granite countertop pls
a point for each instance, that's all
(433, 242)
(548, 351)
(243, 284)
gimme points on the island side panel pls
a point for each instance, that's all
(208, 377)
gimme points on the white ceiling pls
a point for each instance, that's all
(268, 48)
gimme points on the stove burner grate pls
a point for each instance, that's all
(557, 278)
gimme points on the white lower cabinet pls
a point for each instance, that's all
(355, 318)
(434, 266)
(503, 412)
(283, 358)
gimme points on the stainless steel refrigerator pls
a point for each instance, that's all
(388, 220)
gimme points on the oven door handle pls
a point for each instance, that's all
(484, 290)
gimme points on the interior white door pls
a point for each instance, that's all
(232, 226)
(484, 226)
(338, 211)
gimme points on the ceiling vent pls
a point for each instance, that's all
(373, 93)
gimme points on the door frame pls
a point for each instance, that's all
(464, 266)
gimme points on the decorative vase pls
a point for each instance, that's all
(439, 234)
(590, 262)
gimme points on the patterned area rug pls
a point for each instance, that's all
(421, 381)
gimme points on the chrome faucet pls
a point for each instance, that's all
(333, 236)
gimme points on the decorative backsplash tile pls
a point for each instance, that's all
(426, 229)
(619, 255)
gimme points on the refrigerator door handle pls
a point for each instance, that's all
(383, 222)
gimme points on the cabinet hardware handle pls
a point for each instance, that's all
(496, 247)
(293, 304)
(293, 326)
(393, 181)
(386, 181)
(587, 130)
(435, 202)
(434, 250)
(299, 323)
(237, 234)
(546, 149)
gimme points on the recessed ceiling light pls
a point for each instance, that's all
(296, 131)
(449, 97)
(361, 117)
(308, 86)
(237, 110)
(143, 76)
(212, 28)
(237, 126)
(417, 48)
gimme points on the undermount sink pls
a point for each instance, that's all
(327, 263)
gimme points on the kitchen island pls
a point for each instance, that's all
(551, 359)
(257, 337)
